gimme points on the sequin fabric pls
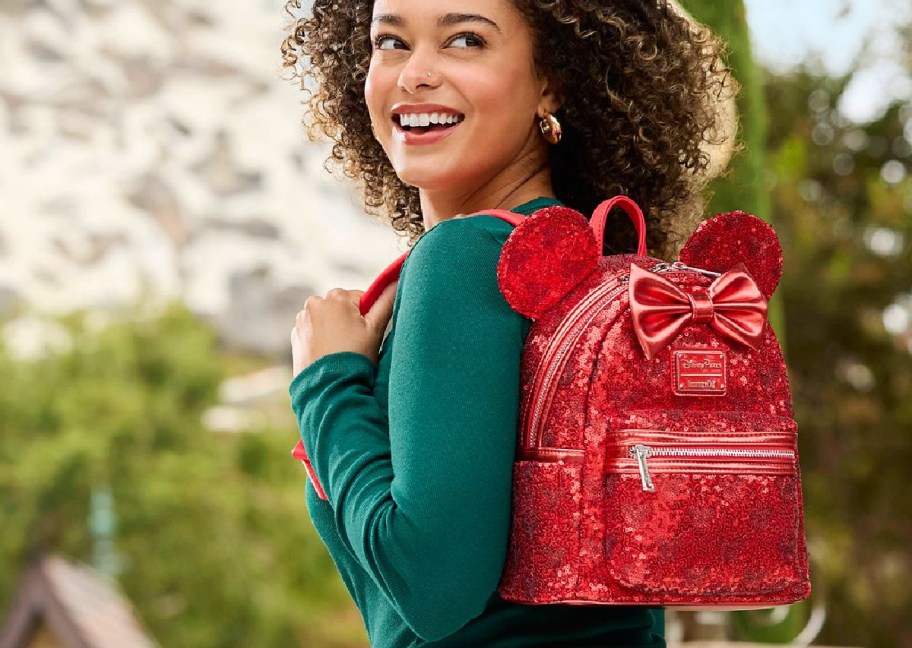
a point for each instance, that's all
(547, 488)
(544, 258)
(722, 242)
(723, 525)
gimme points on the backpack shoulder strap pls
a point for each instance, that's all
(392, 271)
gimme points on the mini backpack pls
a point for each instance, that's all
(657, 459)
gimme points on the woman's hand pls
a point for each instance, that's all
(334, 323)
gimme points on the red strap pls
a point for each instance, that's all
(384, 279)
(298, 452)
(633, 210)
(392, 272)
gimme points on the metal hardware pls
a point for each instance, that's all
(735, 453)
(679, 266)
(641, 453)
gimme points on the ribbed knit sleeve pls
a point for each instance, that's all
(422, 496)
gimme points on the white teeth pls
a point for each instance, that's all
(413, 120)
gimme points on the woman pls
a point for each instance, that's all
(439, 109)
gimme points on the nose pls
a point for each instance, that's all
(420, 71)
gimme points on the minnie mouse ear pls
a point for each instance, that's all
(544, 258)
(736, 237)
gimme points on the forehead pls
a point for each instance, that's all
(431, 10)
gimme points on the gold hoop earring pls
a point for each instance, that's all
(550, 128)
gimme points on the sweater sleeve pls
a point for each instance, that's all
(422, 498)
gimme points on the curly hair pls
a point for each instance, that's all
(641, 86)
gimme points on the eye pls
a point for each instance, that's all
(387, 42)
(467, 39)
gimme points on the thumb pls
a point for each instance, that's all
(380, 313)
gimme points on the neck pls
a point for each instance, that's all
(518, 184)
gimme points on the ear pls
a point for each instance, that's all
(544, 258)
(551, 95)
(728, 239)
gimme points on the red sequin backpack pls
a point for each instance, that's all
(657, 455)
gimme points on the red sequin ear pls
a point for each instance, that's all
(544, 258)
(736, 237)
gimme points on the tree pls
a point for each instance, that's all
(215, 545)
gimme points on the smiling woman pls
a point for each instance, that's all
(638, 83)
(439, 109)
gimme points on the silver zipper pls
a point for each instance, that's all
(642, 452)
(678, 266)
(600, 294)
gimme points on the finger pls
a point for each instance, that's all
(303, 315)
(380, 313)
(346, 295)
(295, 352)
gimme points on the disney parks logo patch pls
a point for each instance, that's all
(698, 372)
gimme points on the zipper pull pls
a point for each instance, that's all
(641, 453)
(678, 266)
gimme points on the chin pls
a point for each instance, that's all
(431, 177)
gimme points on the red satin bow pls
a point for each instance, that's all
(733, 305)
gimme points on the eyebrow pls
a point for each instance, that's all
(446, 20)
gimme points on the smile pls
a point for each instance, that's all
(425, 128)
(428, 120)
(424, 123)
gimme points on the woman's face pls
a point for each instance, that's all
(452, 90)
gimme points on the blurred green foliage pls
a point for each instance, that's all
(842, 205)
(213, 534)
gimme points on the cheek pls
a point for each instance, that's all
(373, 94)
(380, 86)
(505, 101)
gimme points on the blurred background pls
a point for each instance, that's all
(162, 219)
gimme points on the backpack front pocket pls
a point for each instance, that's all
(705, 511)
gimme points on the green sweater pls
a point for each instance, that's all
(416, 458)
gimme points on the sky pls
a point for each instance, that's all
(784, 32)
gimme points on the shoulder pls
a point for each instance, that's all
(481, 231)
(458, 257)
(460, 243)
